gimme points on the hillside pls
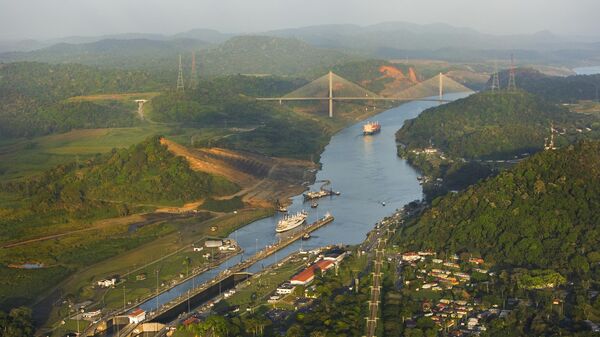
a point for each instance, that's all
(136, 53)
(540, 214)
(268, 55)
(488, 125)
(109, 185)
(563, 89)
(266, 128)
(32, 97)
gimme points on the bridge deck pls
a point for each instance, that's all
(341, 98)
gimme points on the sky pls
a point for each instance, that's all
(39, 19)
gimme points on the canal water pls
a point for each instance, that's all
(587, 70)
(367, 172)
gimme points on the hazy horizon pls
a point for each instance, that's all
(39, 19)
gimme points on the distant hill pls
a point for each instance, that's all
(238, 55)
(114, 53)
(32, 95)
(540, 214)
(378, 76)
(268, 55)
(563, 89)
(442, 41)
(488, 125)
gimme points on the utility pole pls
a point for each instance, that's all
(330, 94)
(180, 85)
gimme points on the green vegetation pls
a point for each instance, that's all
(567, 89)
(540, 214)
(16, 323)
(32, 98)
(108, 185)
(488, 125)
(268, 129)
(223, 205)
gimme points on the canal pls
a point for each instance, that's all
(367, 172)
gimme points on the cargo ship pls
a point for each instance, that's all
(371, 128)
(291, 221)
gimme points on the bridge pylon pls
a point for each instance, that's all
(330, 94)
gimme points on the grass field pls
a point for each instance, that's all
(176, 238)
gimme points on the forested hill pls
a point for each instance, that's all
(488, 125)
(268, 55)
(543, 213)
(146, 172)
(32, 97)
(109, 185)
(554, 88)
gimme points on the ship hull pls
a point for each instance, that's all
(289, 227)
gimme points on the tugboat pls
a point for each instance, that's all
(279, 207)
(306, 236)
(314, 204)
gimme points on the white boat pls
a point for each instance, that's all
(291, 221)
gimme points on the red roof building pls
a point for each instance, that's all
(308, 274)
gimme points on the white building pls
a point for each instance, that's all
(137, 316)
(107, 283)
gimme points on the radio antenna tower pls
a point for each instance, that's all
(512, 85)
(193, 74)
(495, 79)
(180, 85)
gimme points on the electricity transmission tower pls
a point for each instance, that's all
(512, 84)
(180, 85)
(495, 79)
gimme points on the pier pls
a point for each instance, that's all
(227, 278)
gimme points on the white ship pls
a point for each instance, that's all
(291, 221)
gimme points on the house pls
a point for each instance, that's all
(213, 243)
(307, 275)
(411, 256)
(136, 316)
(108, 282)
(336, 255)
(91, 314)
(476, 260)
(286, 288)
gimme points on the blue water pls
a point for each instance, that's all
(587, 70)
(367, 172)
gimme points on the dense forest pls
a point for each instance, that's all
(16, 323)
(536, 227)
(32, 97)
(541, 214)
(226, 102)
(489, 125)
(112, 184)
(554, 88)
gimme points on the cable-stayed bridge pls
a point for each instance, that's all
(332, 87)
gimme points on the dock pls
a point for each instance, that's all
(175, 306)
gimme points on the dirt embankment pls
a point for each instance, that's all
(262, 179)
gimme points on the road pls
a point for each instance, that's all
(375, 289)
